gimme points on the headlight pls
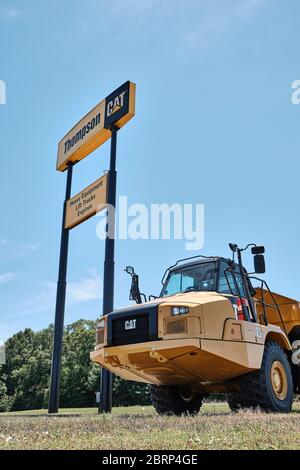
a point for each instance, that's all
(100, 332)
(179, 310)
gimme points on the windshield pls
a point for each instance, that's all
(199, 277)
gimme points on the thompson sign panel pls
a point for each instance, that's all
(94, 129)
(86, 203)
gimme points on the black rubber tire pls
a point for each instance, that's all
(255, 389)
(238, 401)
(168, 401)
(234, 402)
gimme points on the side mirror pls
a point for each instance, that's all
(135, 293)
(233, 247)
(259, 264)
(129, 270)
(258, 250)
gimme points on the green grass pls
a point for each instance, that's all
(141, 428)
(82, 411)
(207, 408)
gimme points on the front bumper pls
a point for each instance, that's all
(180, 361)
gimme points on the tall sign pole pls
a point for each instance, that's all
(109, 267)
(60, 304)
(95, 128)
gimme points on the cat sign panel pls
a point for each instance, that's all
(94, 129)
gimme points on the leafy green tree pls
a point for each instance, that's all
(127, 393)
(79, 376)
(28, 363)
(25, 378)
(5, 401)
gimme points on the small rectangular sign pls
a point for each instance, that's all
(94, 129)
(87, 203)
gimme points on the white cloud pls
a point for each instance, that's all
(219, 18)
(7, 277)
(85, 290)
(6, 331)
(245, 9)
(88, 288)
(200, 9)
(10, 251)
(13, 13)
(186, 23)
(25, 250)
(9, 13)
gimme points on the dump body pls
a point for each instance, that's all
(289, 317)
(208, 346)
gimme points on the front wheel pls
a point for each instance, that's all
(270, 387)
(169, 400)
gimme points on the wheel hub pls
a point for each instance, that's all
(279, 380)
(186, 395)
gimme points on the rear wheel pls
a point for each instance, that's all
(175, 401)
(270, 387)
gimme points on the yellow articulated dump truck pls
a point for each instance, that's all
(213, 328)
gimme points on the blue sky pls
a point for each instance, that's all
(214, 124)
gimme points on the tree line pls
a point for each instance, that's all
(25, 377)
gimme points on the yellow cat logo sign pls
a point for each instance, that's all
(94, 129)
(115, 105)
